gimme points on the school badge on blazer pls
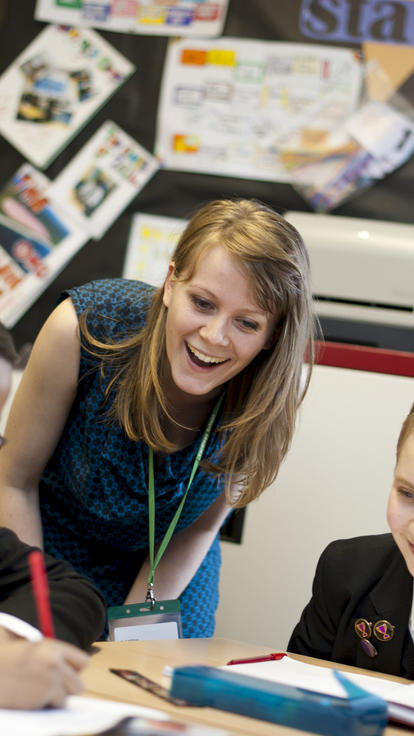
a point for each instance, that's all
(383, 630)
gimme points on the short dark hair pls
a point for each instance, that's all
(7, 349)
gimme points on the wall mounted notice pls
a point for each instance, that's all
(154, 17)
(37, 239)
(54, 87)
(151, 243)
(228, 106)
(104, 176)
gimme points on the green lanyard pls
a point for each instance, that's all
(151, 503)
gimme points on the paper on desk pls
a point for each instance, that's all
(290, 671)
(80, 716)
(88, 716)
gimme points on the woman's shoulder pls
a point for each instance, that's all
(120, 304)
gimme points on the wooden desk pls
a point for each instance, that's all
(151, 657)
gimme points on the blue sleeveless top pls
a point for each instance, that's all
(94, 489)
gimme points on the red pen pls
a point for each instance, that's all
(41, 593)
(264, 658)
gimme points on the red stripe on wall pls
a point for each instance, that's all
(362, 358)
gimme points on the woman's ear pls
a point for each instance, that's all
(168, 284)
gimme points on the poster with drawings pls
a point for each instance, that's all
(104, 176)
(227, 106)
(153, 17)
(151, 242)
(37, 239)
(54, 87)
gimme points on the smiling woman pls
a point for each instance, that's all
(134, 386)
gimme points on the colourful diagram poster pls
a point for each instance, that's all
(104, 176)
(37, 239)
(54, 87)
(230, 106)
(154, 17)
(151, 244)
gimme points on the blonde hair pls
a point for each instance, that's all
(406, 429)
(261, 402)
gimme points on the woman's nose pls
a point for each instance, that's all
(214, 331)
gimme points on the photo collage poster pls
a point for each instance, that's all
(103, 177)
(54, 87)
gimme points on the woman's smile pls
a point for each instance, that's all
(201, 359)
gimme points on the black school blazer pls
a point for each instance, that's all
(364, 577)
(78, 609)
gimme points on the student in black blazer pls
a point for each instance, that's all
(78, 609)
(36, 672)
(360, 612)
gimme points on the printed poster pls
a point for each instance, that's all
(379, 137)
(54, 87)
(151, 243)
(154, 17)
(101, 180)
(37, 239)
(227, 106)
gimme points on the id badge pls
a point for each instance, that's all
(145, 621)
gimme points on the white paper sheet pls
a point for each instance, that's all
(226, 106)
(80, 716)
(291, 671)
(151, 242)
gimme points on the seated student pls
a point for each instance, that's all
(361, 612)
(36, 672)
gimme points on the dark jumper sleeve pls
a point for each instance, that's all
(78, 609)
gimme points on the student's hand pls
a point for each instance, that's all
(39, 674)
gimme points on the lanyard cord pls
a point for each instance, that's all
(174, 520)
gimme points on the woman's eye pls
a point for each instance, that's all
(248, 325)
(200, 303)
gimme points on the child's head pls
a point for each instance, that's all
(400, 512)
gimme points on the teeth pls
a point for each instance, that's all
(205, 358)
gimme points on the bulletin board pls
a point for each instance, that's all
(178, 193)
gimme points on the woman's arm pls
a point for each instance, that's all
(183, 556)
(36, 420)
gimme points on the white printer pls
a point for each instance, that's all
(362, 278)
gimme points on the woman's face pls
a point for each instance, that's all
(400, 513)
(214, 326)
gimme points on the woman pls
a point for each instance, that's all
(361, 611)
(230, 325)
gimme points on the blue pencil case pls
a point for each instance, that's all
(358, 714)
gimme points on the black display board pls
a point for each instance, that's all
(134, 108)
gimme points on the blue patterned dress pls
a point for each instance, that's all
(94, 490)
